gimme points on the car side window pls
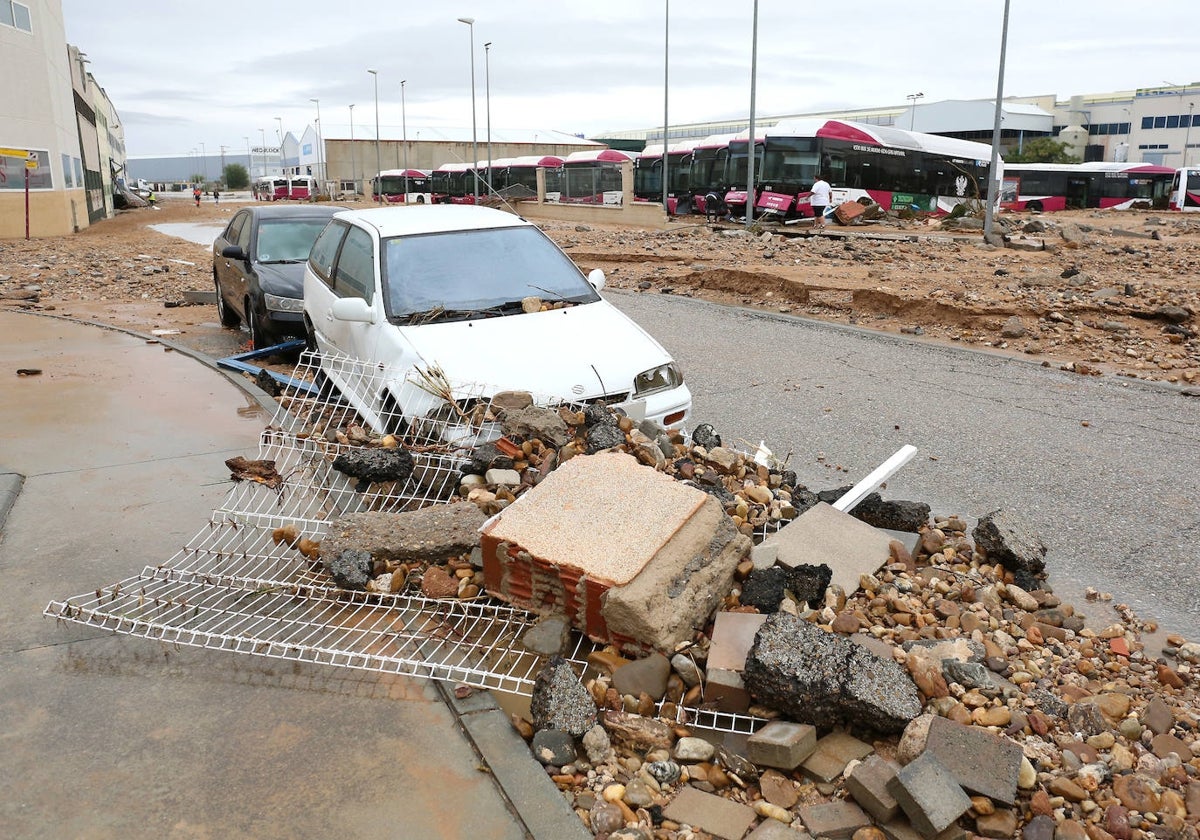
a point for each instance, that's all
(325, 249)
(234, 229)
(243, 239)
(354, 275)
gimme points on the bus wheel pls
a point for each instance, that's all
(1034, 207)
(420, 199)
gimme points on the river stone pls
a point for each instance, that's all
(821, 678)
(648, 674)
(1040, 827)
(553, 746)
(548, 636)
(559, 701)
(967, 674)
(1009, 541)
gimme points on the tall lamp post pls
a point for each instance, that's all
(1187, 135)
(487, 99)
(262, 133)
(912, 109)
(279, 120)
(666, 77)
(378, 163)
(993, 184)
(750, 157)
(404, 136)
(204, 161)
(353, 157)
(470, 22)
(320, 147)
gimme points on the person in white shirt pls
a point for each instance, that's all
(822, 197)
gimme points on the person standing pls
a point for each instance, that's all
(821, 198)
(216, 196)
(196, 194)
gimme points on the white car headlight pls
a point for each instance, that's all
(661, 378)
(283, 304)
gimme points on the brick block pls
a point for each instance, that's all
(868, 782)
(630, 556)
(929, 795)
(900, 829)
(979, 761)
(823, 534)
(726, 689)
(716, 815)
(781, 744)
(833, 753)
(838, 819)
(732, 636)
(775, 830)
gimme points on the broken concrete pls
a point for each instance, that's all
(559, 701)
(822, 678)
(822, 534)
(1009, 541)
(433, 534)
(631, 556)
(370, 466)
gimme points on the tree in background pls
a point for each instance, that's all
(197, 178)
(236, 177)
(1041, 150)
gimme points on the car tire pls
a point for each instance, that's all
(261, 336)
(229, 318)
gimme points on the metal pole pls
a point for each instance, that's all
(404, 136)
(750, 157)
(666, 77)
(280, 131)
(263, 134)
(378, 165)
(204, 161)
(353, 157)
(1187, 136)
(320, 145)
(487, 98)
(470, 22)
(993, 182)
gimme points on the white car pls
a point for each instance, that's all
(481, 297)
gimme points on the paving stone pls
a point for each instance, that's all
(929, 795)
(732, 636)
(979, 761)
(833, 753)
(868, 782)
(901, 829)
(782, 744)
(726, 689)
(823, 534)
(714, 814)
(775, 830)
(838, 819)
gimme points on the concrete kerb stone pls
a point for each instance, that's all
(533, 798)
(10, 488)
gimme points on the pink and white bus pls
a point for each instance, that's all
(1108, 186)
(1185, 189)
(402, 186)
(302, 187)
(593, 176)
(648, 177)
(522, 171)
(454, 183)
(270, 188)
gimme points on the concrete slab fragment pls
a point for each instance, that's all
(732, 636)
(716, 815)
(821, 534)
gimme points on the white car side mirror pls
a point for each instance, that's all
(596, 278)
(353, 309)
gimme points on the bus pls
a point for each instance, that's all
(453, 183)
(593, 177)
(1185, 189)
(900, 170)
(522, 175)
(270, 188)
(302, 187)
(402, 186)
(737, 162)
(647, 176)
(1109, 186)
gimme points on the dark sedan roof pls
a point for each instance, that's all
(289, 211)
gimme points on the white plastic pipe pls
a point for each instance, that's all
(877, 477)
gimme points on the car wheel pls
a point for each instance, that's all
(261, 336)
(229, 318)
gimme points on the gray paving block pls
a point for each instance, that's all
(714, 814)
(726, 689)
(782, 744)
(838, 819)
(929, 795)
(979, 761)
(833, 753)
(900, 829)
(823, 534)
(775, 830)
(868, 782)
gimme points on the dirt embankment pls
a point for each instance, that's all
(1103, 293)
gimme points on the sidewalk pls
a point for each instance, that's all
(110, 460)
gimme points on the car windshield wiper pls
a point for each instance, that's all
(282, 262)
(441, 313)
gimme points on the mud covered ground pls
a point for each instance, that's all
(1104, 293)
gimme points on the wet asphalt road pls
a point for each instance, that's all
(1117, 501)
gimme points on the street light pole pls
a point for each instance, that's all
(487, 98)
(404, 136)
(1187, 135)
(378, 164)
(993, 184)
(666, 68)
(204, 161)
(279, 120)
(470, 22)
(353, 157)
(749, 157)
(262, 132)
(320, 148)
(912, 109)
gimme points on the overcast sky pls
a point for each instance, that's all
(184, 73)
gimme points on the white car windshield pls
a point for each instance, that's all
(476, 274)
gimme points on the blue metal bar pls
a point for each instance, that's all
(240, 363)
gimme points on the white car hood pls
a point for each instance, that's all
(550, 354)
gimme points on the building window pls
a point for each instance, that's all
(1160, 122)
(15, 15)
